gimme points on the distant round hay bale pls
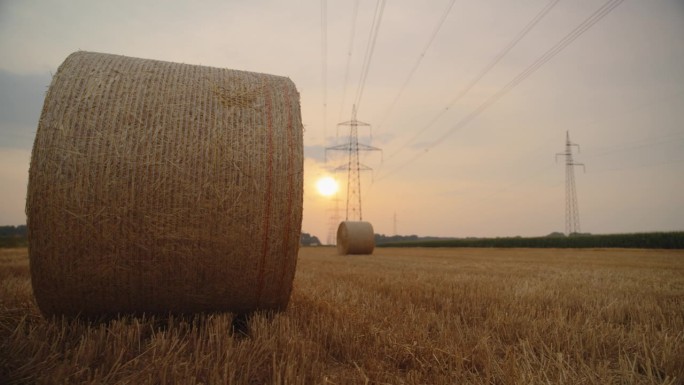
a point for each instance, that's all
(355, 238)
(160, 187)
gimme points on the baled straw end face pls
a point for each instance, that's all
(160, 187)
(355, 238)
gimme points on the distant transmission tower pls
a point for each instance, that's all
(572, 221)
(334, 221)
(394, 224)
(354, 166)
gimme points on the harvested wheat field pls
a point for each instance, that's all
(400, 316)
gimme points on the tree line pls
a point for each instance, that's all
(655, 240)
(13, 236)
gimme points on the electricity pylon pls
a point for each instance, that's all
(394, 224)
(353, 166)
(334, 221)
(572, 221)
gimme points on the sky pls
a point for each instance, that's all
(480, 163)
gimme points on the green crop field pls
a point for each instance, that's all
(400, 316)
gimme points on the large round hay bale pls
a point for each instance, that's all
(160, 187)
(355, 238)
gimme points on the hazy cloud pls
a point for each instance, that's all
(21, 99)
(618, 89)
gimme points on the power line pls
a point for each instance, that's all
(419, 60)
(324, 62)
(370, 48)
(532, 68)
(349, 56)
(523, 32)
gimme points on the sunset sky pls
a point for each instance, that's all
(454, 163)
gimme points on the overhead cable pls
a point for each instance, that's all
(418, 61)
(324, 62)
(518, 37)
(349, 56)
(532, 68)
(370, 48)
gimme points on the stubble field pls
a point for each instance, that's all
(413, 316)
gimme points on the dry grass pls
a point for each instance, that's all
(415, 316)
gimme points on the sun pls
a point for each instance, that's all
(327, 186)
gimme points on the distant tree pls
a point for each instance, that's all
(13, 236)
(579, 234)
(13, 231)
(556, 234)
(382, 238)
(309, 240)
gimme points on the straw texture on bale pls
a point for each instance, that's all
(355, 238)
(160, 187)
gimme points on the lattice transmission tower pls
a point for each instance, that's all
(572, 220)
(333, 221)
(353, 166)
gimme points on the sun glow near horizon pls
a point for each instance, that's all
(327, 186)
